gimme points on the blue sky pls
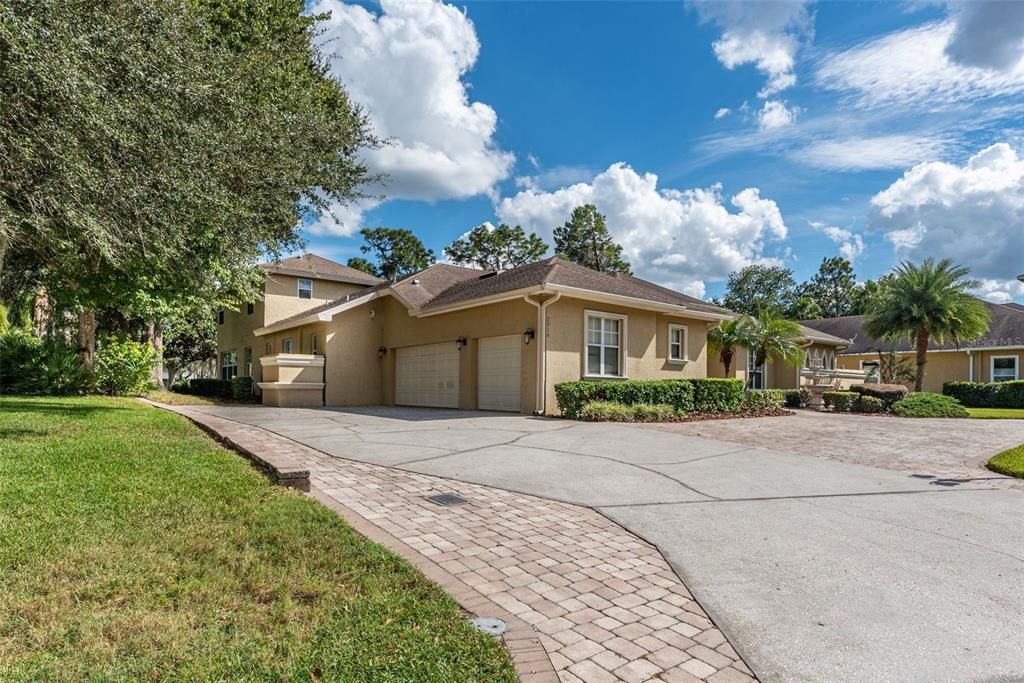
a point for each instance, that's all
(712, 135)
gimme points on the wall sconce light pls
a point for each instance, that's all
(529, 335)
(460, 343)
(381, 352)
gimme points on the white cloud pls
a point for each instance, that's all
(776, 114)
(1000, 291)
(864, 153)
(556, 176)
(973, 214)
(851, 244)
(722, 113)
(765, 34)
(680, 238)
(406, 67)
(988, 34)
(911, 67)
(342, 220)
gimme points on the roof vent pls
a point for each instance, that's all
(416, 281)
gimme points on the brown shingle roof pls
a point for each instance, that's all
(322, 268)
(421, 288)
(1006, 329)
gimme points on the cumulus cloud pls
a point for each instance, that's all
(870, 152)
(972, 213)
(988, 34)
(765, 34)
(406, 67)
(775, 115)
(679, 238)
(723, 112)
(342, 220)
(1000, 291)
(851, 244)
(912, 67)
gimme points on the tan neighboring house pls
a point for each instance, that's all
(998, 356)
(456, 337)
(292, 285)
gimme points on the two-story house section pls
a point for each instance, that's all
(292, 286)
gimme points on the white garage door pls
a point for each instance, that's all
(498, 373)
(427, 375)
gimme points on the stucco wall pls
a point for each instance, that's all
(945, 366)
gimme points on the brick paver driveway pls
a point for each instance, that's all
(814, 570)
(953, 449)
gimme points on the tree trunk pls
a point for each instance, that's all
(87, 337)
(155, 333)
(41, 312)
(922, 356)
(726, 359)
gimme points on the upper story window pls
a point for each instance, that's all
(250, 308)
(220, 316)
(678, 344)
(270, 348)
(286, 346)
(305, 288)
(605, 342)
(1004, 368)
(314, 343)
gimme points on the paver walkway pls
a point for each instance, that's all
(604, 604)
(926, 447)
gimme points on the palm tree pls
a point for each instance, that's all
(724, 339)
(925, 302)
(769, 335)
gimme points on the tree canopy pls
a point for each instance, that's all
(397, 252)
(585, 239)
(761, 289)
(496, 248)
(359, 263)
(833, 288)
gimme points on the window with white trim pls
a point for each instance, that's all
(229, 365)
(248, 361)
(270, 348)
(605, 335)
(872, 370)
(756, 375)
(678, 343)
(1005, 368)
(314, 344)
(305, 288)
(286, 345)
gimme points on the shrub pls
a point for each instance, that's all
(839, 401)
(572, 396)
(987, 394)
(28, 365)
(869, 404)
(889, 393)
(717, 395)
(765, 400)
(793, 398)
(180, 387)
(927, 404)
(242, 389)
(218, 388)
(607, 411)
(62, 372)
(125, 367)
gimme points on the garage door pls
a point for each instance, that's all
(498, 373)
(427, 375)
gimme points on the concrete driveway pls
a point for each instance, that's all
(816, 570)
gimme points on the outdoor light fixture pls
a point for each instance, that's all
(460, 343)
(381, 352)
(528, 335)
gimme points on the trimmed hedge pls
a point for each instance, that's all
(242, 389)
(764, 400)
(684, 395)
(218, 388)
(840, 401)
(927, 404)
(869, 404)
(888, 393)
(797, 398)
(606, 411)
(987, 394)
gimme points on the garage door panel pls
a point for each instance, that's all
(427, 375)
(499, 373)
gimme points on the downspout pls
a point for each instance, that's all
(970, 366)
(542, 336)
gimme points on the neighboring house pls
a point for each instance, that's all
(997, 356)
(458, 337)
(292, 285)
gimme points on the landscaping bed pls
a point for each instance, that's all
(1009, 462)
(136, 548)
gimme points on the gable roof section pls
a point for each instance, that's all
(1005, 330)
(811, 334)
(320, 268)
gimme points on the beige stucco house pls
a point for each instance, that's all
(997, 356)
(458, 337)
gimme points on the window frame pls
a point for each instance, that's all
(623, 321)
(992, 368)
(878, 370)
(270, 348)
(300, 288)
(250, 308)
(314, 343)
(225, 373)
(751, 370)
(287, 345)
(684, 344)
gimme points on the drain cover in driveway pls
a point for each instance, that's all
(447, 499)
(492, 626)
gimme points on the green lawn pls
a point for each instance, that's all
(997, 413)
(173, 398)
(1010, 463)
(133, 547)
